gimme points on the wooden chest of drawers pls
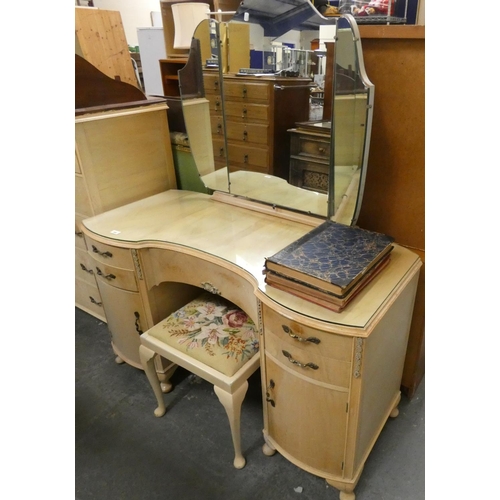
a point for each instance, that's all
(259, 111)
(121, 155)
(309, 159)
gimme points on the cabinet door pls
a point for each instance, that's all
(126, 321)
(308, 419)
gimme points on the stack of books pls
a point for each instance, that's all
(329, 265)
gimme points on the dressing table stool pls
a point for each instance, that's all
(214, 339)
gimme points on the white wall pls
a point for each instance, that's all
(134, 13)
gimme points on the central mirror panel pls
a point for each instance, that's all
(278, 108)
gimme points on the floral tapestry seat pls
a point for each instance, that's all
(217, 341)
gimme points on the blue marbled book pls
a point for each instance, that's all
(332, 257)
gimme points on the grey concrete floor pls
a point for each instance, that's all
(123, 452)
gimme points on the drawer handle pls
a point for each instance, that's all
(322, 150)
(314, 340)
(138, 322)
(217, 104)
(221, 152)
(86, 270)
(210, 288)
(95, 301)
(298, 363)
(107, 276)
(219, 128)
(102, 254)
(244, 113)
(245, 158)
(79, 234)
(245, 135)
(216, 84)
(244, 91)
(268, 396)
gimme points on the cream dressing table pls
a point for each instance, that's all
(156, 253)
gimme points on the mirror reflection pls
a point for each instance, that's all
(278, 108)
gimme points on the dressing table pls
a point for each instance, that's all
(329, 380)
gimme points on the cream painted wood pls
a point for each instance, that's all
(120, 156)
(230, 390)
(325, 421)
(126, 321)
(88, 298)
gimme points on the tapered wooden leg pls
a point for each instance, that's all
(395, 410)
(147, 360)
(232, 404)
(267, 449)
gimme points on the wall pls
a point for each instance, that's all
(134, 13)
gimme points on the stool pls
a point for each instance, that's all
(214, 339)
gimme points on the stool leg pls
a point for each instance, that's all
(147, 361)
(232, 404)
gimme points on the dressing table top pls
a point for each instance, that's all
(200, 225)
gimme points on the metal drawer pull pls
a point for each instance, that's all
(90, 271)
(102, 254)
(219, 128)
(268, 396)
(295, 362)
(79, 234)
(244, 113)
(314, 340)
(245, 135)
(244, 91)
(137, 323)
(95, 301)
(107, 276)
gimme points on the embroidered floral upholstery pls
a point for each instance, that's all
(212, 330)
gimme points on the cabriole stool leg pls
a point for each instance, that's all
(147, 360)
(232, 404)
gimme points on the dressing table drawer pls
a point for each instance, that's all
(311, 353)
(110, 255)
(115, 276)
(161, 265)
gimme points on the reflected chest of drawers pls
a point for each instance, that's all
(259, 111)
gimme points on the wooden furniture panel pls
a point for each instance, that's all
(126, 321)
(123, 154)
(100, 39)
(394, 196)
(295, 408)
(169, 75)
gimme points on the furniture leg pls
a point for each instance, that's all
(267, 449)
(395, 410)
(147, 360)
(232, 404)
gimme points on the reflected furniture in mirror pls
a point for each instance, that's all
(254, 112)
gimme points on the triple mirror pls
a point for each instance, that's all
(278, 108)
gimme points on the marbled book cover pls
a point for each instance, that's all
(332, 253)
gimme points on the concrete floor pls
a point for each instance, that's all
(124, 452)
